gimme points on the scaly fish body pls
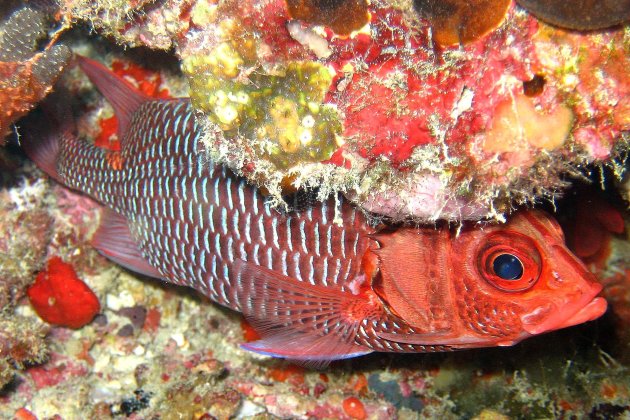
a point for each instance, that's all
(315, 288)
(193, 219)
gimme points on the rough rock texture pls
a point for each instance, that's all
(404, 126)
(26, 72)
(25, 229)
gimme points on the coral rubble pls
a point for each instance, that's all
(25, 228)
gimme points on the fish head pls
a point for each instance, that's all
(490, 286)
(529, 266)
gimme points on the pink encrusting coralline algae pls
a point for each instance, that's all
(437, 115)
(388, 114)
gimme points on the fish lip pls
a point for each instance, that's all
(589, 308)
(593, 310)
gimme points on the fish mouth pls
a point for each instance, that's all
(593, 310)
(589, 308)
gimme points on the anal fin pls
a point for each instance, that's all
(307, 350)
(113, 239)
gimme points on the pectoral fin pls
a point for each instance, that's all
(298, 320)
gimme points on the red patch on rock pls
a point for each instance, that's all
(107, 137)
(44, 378)
(24, 414)
(152, 321)
(249, 333)
(290, 373)
(354, 408)
(146, 81)
(60, 298)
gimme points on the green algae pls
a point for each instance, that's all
(281, 114)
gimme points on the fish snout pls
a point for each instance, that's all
(570, 298)
(550, 317)
(565, 311)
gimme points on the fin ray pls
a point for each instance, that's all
(46, 134)
(113, 239)
(125, 98)
(297, 320)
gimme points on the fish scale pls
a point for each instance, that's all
(193, 219)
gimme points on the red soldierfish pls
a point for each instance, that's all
(316, 290)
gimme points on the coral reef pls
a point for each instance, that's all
(402, 123)
(26, 74)
(157, 350)
(32, 227)
(385, 108)
(21, 344)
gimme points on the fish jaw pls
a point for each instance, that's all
(578, 306)
(567, 291)
(573, 312)
(593, 310)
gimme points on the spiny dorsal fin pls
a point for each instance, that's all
(121, 94)
(298, 320)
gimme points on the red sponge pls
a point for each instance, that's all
(59, 297)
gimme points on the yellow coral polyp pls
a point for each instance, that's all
(227, 116)
(283, 111)
(308, 121)
(286, 120)
(240, 97)
(313, 107)
(225, 61)
(281, 114)
(220, 98)
(203, 12)
(305, 136)
(288, 140)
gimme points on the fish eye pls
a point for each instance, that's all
(508, 267)
(509, 261)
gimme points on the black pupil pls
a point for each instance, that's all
(508, 267)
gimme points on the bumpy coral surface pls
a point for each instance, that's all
(25, 229)
(386, 108)
(26, 74)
